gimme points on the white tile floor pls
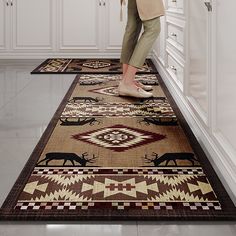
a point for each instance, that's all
(27, 103)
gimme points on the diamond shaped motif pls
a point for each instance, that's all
(96, 64)
(111, 90)
(119, 138)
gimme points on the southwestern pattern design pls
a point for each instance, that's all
(152, 188)
(156, 206)
(68, 121)
(89, 80)
(85, 110)
(75, 66)
(73, 158)
(160, 110)
(108, 157)
(110, 91)
(119, 138)
(171, 158)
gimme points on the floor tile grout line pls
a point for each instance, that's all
(13, 98)
(137, 228)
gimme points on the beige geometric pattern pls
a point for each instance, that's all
(173, 194)
(173, 180)
(204, 187)
(122, 187)
(65, 194)
(96, 64)
(32, 186)
(66, 181)
(157, 109)
(119, 137)
(128, 187)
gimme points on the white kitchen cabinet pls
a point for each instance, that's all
(3, 99)
(170, 48)
(39, 29)
(175, 67)
(199, 71)
(176, 6)
(4, 24)
(187, 51)
(26, 25)
(159, 47)
(90, 26)
(114, 28)
(79, 25)
(198, 57)
(175, 37)
(223, 83)
(32, 24)
(176, 33)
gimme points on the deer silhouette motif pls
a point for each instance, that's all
(80, 122)
(90, 82)
(159, 121)
(72, 157)
(152, 99)
(167, 157)
(85, 99)
(148, 82)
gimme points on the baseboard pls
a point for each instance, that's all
(220, 162)
(38, 55)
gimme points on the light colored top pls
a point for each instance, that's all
(147, 9)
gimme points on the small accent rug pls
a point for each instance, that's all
(105, 157)
(93, 66)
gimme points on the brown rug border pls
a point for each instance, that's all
(8, 213)
(35, 71)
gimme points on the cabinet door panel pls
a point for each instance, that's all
(225, 79)
(114, 28)
(198, 55)
(2, 88)
(160, 44)
(32, 24)
(2, 24)
(79, 24)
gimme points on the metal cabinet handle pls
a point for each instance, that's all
(173, 68)
(173, 34)
(100, 3)
(174, 0)
(208, 5)
(104, 3)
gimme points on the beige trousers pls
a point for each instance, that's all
(134, 49)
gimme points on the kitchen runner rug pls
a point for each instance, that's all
(78, 66)
(105, 157)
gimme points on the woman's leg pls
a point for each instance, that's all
(128, 86)
(144, 45)
(124, 69)
(133, 54)
(132, 32)
(129, 75)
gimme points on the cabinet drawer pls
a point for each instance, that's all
(177, 5)
(175, 69)
(176, 34)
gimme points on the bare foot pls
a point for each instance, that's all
(138, 84)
